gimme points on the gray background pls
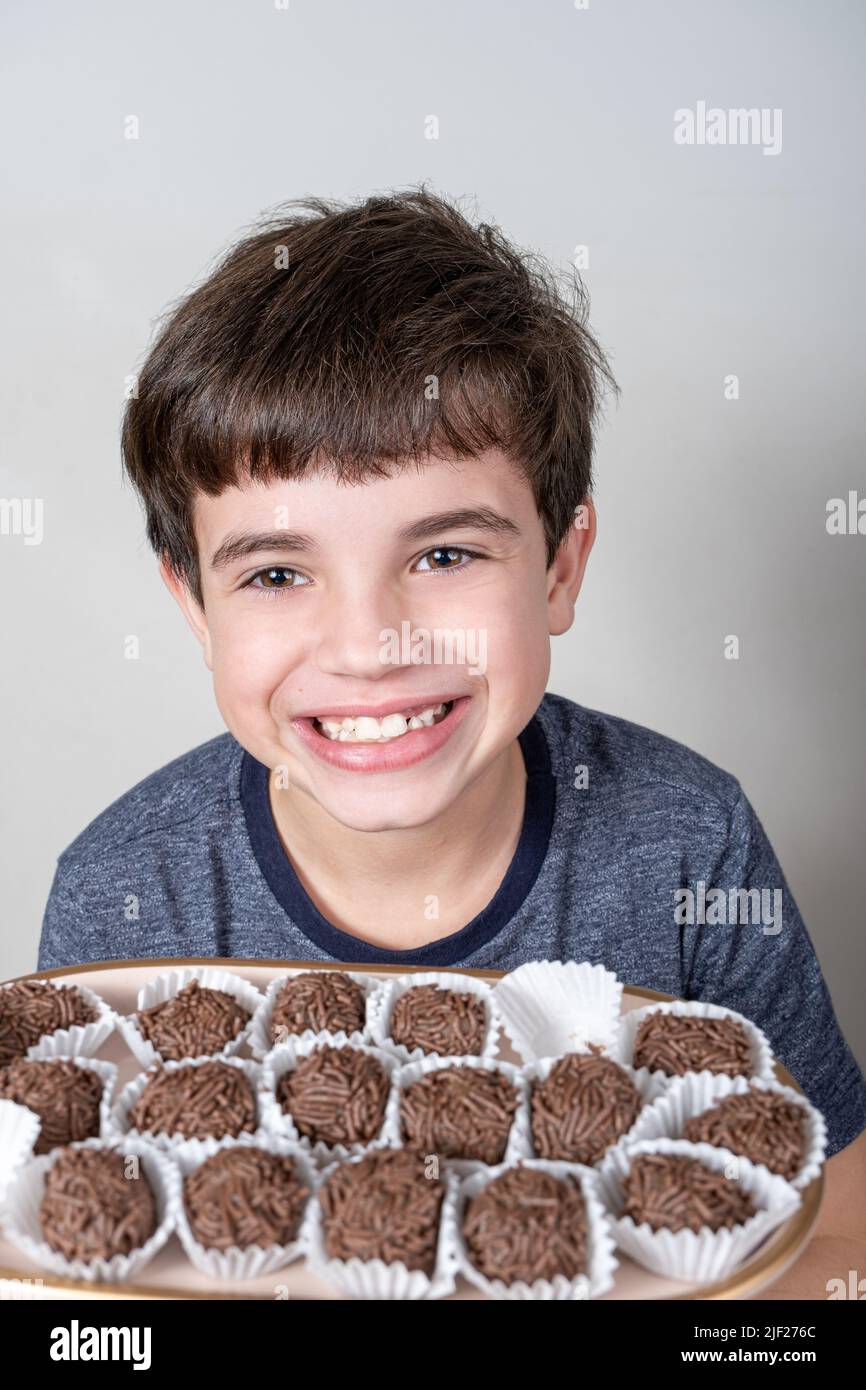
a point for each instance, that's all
(558, 125)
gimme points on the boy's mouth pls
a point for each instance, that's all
(368, 729)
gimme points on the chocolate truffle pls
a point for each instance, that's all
(438, 1020)
(763, 1126)
(584, 1105)
(336, 1095)
(459, 1112)
(196, 1022)
(91, 1210)
(206, 1101)
(31, 1008)
(322, 1000)
(383, 1207)
(676, 1193)
(526, 1225)
(65, 1096)
(677, 1043)
(244, 1196)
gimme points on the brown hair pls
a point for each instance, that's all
(323, 336)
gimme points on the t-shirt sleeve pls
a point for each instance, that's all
(64, 939)
(764, 966)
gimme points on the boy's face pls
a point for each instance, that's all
(381, 599)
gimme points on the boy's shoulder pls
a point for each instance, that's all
(187, 792)
(628, 757)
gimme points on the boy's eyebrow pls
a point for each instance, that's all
(239, 544)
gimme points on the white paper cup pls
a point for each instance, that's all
(397, 985)
(260, 1033)
(696, 1257)
(166, 986)
(623, 1046)
(19, 1130)
(241, 1262)
(697, 1091)
(600, 1244)
(518, 1142)
(23, 1198)
(549, 1007)
(285, 1057)
(119, 1126)
(376, 1279)
(82, 1039)
(650, 1086)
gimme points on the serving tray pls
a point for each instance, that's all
(171, 1276)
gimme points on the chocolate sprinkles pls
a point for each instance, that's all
(195, 1022)
(336, 1095)
(322, 1000)
(383, 1207)
(459, 1112)
(91, 1210)
(443, 1021)
(585, 1104)
(244, 1196)
(31, 1008)
(763, 1126)
(677, 1043)
(65, 1096)
(527, 1224)
(211, 1100)
(676, 1193)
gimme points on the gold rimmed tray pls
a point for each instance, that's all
(171, 1276)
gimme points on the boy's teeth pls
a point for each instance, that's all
(366, 729)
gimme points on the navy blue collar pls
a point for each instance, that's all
(522, 872)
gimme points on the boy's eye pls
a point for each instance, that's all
(275, 580)
(444, 558)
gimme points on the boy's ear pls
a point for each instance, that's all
(565, 575)
(190, 608)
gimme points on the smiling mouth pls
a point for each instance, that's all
(366, 729)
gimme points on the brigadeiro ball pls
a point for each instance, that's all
(676, 1193)
(320, 1000)
(383, 1207)
(585, 1104)
(678, 1043)
(91, 1209)
(244, 1196)
(336, 1095)
(459, 1112)
(527, 1224)
(439, 1020)
(195, 1022)
(31, 1008)
(64, 1095)
(764, 1126)
(211, 1100)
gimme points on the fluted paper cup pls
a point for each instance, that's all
(518, 1143)
(82, 1039)
(119, 1126)
(600, 1243)
(650, 1086)
(166, 986)
(260, 1033)
(704, 1256)
(459, 984)
(378, 1279)
(19, 1130)
(622, 1049)
(549, 1007)
(698, 1091)
(285, 1057)
(24, 1196)
(241, 1262)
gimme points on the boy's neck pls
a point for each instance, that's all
(402, 889)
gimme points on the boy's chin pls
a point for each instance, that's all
(374, 812)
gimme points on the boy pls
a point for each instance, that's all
(364, 449)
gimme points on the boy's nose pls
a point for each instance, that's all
(353, 631)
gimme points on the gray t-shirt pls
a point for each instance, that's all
(625, 835)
